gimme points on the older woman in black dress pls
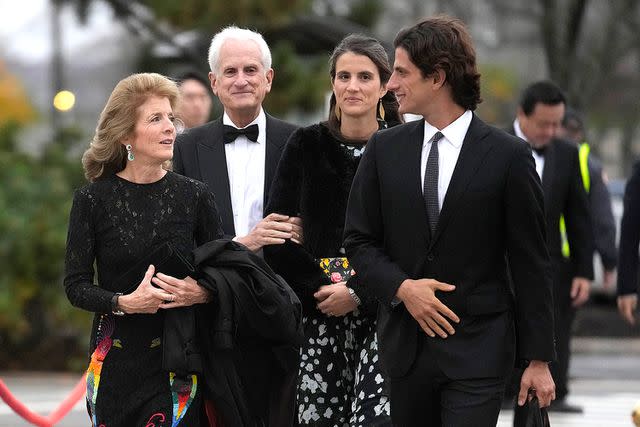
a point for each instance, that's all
(340, 381)
(133, 205)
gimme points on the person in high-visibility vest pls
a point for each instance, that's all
(538, 119)
(594, 181)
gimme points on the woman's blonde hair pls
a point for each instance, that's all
(106, 154)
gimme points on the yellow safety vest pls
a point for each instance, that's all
(583, 156)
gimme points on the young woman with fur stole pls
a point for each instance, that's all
(339, 382)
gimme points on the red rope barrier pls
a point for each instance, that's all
(53, 418)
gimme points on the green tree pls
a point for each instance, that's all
(14, 105)
(38, 326)
(301, 77)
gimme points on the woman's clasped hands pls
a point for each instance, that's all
(160, 291)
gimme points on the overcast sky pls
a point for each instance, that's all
(25, 28)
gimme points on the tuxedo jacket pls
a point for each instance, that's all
(564, 194)
(199, 153)
(492, 217)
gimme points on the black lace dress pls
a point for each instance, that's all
(114, 222)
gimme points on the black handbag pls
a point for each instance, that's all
(531, 414)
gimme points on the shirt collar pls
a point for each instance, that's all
(454, 132)
(518, 130)
(260, 120)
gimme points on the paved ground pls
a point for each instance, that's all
(607, 386)
(605, 380)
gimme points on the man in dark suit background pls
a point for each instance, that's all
(539, 117)
(629, 260)
(439, 210)
(237, 154)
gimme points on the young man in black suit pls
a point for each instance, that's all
(237, 154)
(539, 117)
(439, 211)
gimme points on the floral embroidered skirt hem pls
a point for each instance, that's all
(126, 385)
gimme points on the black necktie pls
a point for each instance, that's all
(431, 183)
(231, 133)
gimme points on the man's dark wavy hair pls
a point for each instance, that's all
(443, 43)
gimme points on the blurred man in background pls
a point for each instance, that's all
(594, 180)
(569, 237)
(195, 99)
(629, 242)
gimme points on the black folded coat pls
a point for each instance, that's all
(249, 336)
(165, 258)
(180, 351)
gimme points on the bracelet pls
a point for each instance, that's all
(355, 296)
(114, 305)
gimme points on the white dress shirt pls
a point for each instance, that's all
(448, 151)
(245, 165)
(539, 159)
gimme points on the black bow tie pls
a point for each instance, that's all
(231, 133)
(539, 150)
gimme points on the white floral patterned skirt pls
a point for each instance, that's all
(340, 383)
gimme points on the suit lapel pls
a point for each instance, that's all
(275, 140)
(473, 150)
(548, 172)
(213, 167)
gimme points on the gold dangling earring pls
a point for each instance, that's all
(338, 112)
(381, 110)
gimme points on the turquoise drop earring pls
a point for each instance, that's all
(130, 155)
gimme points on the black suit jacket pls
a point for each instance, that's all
(564, 194)
(629, 260)
(199, 153)
(492, 212)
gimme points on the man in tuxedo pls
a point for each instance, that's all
(539, 117)
(237, 154)
(440, 210)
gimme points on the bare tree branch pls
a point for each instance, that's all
(551, 41)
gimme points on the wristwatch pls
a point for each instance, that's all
(355, 296)
(115, 309)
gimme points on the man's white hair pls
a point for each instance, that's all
(236, 33)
